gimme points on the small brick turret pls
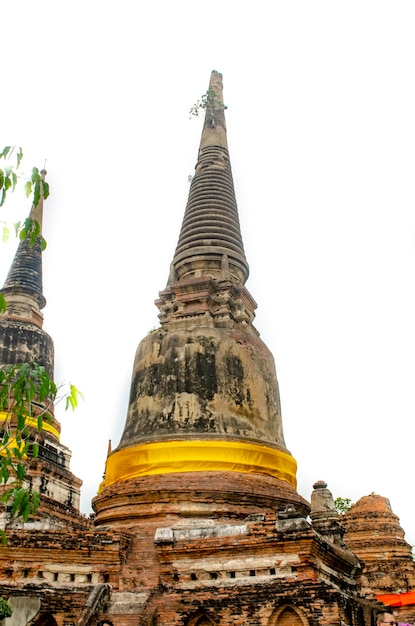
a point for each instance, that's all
(374, 534)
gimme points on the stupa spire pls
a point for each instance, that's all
(210, 241)
(214, 127)
(24, 341)
(22, 337)
(24, 282)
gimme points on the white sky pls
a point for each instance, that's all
(321, 130)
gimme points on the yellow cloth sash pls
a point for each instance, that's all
(31, 422)
(199, 456)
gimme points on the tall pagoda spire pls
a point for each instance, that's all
(22, 338)
(210, 240)
(204, 403)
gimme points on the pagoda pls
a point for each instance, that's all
(197, 521)
(202, 479)
(204, 420)
(24, 341)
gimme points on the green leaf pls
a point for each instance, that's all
(36, 192)
(26, 446)
(25, 508)
(1, 179)
(20, 502)
(17, 500)
(16, 454)
(35, 175)
(28, 188)
(35, 450)
(72, 399)
(45, 187)
(21, 422)
(4, 474)
(5, 152)
(23, 370)
(30, 231)
(19, 157)
(6, 234)
(6, 495)
(21, 471)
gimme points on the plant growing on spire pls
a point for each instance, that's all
(206, 103)
(343, 505)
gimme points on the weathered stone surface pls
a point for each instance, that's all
(201, 383)
(324, 515)
(22, 342)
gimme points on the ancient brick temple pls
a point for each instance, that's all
(374, 534)
(197, 521)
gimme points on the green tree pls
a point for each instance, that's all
(27, 396)
(12, 158)
(343, 505)
(5, 609)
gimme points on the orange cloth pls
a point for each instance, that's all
(397, 599)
